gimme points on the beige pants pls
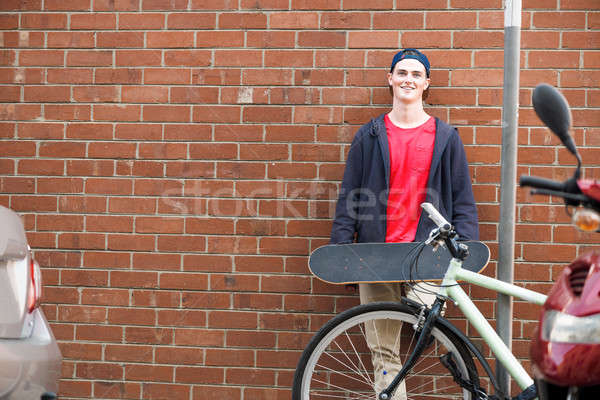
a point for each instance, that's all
(383, 337)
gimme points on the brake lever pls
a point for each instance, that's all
(436, 239)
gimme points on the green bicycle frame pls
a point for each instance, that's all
(451, 289)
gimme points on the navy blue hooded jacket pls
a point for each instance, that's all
(362, 202)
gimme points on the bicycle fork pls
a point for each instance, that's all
(422, 343)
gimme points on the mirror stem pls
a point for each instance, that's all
(578, 170)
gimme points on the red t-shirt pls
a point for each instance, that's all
(410, 159)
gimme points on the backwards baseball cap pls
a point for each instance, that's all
(411, 53)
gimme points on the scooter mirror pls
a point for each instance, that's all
(552, 108)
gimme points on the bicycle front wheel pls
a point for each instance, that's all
(348, 360)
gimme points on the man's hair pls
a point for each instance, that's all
(413, 54)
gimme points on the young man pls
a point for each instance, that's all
(397, 161)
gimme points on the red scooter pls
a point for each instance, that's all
(565, 349)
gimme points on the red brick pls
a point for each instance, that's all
(169, 39)
(165, 391)
(219, 114)
(18, 149)
(65, 112)
(59, 222)
(179, 355)
(190, 58)
(96, 94)
(117, 389)
(93, 21)
(565, 20)
(141, 21)
(131, 316)
(138, 131)
(244, 133)
(454, 20)
(131, 353)
(91, 58)
(205, 392)
(294, 20)
(190, 20)
(540, 39)
(59, 295)
(43, 21)
(229, 357)
(370, 39)
(261, 377)
(75, 388)
(288, 246)
(183, 281)
(153, 373)
(19, 112)
(120, 5)
(233, 58)
(327, 39)
(49, 94)
(118, 75)
(155, 298)
(105, 297)
(119, 39)
(11, 21)
(103, 371)
(235, 282)
(84, 314)
(166, 113)
(429, 39)
(23, 40)
(266, 39)
(241, 20)
(79, 40)
(200, 375)
(81, 351)
(116, 112)
(72, 5)
(149, 335)
(134, 279)
(28, 203)
(280, 321)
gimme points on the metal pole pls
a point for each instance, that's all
(506, 227)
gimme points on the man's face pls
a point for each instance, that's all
(408, 80)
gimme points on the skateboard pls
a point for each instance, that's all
(389, 262)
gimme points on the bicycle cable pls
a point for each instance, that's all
(415, 282)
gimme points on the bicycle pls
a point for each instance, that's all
(436, 358)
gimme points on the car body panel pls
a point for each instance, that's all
(30, 359)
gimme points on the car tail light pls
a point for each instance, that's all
(35, 289)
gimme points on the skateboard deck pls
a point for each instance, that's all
(389, 262)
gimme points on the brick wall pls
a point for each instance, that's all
(176, 161)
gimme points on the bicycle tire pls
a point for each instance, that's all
(338, 355)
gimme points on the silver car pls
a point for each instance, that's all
(30, 359)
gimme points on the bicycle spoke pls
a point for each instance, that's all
(338, 372)
(366, 376)
(329, 396)
(438, 390)
(342, 389)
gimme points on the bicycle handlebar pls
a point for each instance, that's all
(435, 215)
(541, 183)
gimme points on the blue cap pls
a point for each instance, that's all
(411, 53)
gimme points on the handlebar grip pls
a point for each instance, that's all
(435, 215)
(541, 183)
